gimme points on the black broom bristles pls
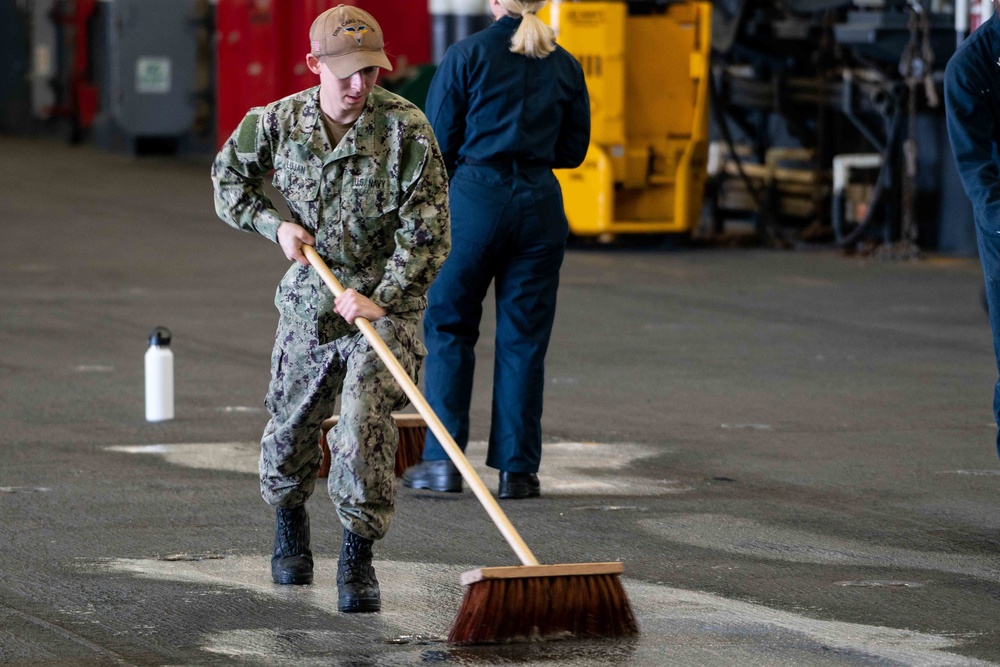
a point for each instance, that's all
(530, 608)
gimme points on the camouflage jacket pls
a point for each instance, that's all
(377, 203)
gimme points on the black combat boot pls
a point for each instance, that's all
(357, 587)
(292, 562)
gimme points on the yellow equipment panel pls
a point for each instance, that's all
(647, 76)
(594, 32)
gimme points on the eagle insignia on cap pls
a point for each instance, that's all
(357, 31)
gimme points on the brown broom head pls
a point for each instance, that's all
(537, 602)
(410, 450)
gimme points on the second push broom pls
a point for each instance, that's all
(409, 449)
(530, 600)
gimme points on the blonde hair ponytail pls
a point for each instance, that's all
(533, 38)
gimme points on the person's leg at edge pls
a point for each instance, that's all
(989, 257)
(526, 290)
(451, 329)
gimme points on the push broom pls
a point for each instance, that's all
(525, 601)
(409, 450)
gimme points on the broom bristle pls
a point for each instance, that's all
(511, 609)
(409, 451)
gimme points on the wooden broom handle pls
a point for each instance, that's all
(433, 423)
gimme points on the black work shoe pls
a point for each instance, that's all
(357, 587)
(517, 485)
(292, 562)
(433, 475)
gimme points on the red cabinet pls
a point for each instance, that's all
(248, 59)
(261, 47)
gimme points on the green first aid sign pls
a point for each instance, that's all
(152, 75)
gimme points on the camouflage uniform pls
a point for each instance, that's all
(377, 204)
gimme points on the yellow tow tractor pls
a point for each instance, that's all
(648, 77)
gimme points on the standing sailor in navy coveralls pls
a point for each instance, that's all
(972, 103)
(507, 106)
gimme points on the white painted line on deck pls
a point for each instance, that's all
(568, 468)
(226, 456)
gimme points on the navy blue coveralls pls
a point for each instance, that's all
(503, 121)
(972, 103)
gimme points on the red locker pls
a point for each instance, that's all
(261, 48)
(406, 24)
(407, 28)
(248, 59)
(303, 14)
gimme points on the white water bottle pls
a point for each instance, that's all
(159, 376)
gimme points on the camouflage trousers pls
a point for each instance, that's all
(306, 378)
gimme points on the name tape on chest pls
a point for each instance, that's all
(369, 183)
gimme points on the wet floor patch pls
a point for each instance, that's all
(760, 540)
(570, 468)
(419, 602)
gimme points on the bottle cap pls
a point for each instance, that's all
(160, 337)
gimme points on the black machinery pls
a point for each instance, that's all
(830, 126)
